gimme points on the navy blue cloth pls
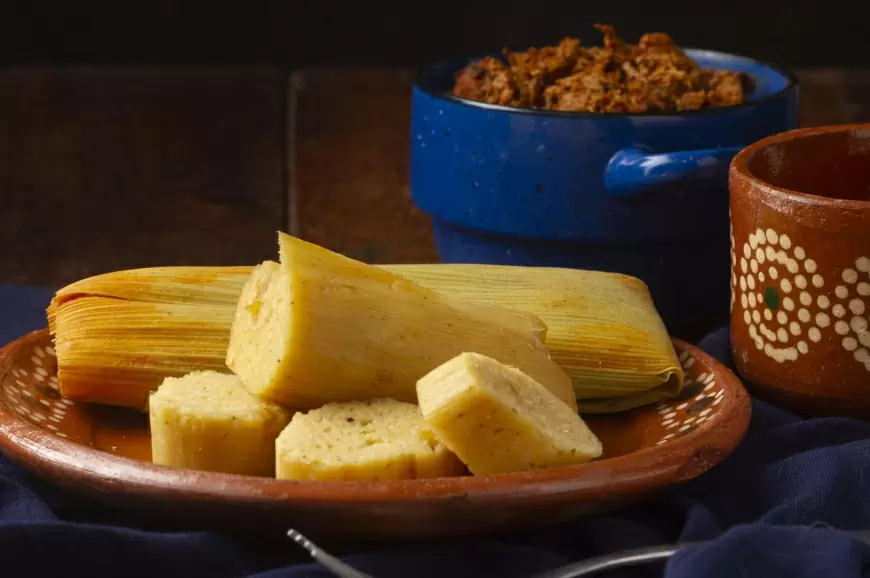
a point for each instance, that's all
(774, 508)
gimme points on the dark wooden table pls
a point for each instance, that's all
(102, 169)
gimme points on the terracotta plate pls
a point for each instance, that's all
(105, 452)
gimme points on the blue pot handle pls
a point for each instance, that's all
(632, 171)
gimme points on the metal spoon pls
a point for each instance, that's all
(639, 557)
(330, 562)
(616, 560)
(588, 567)
(576, 570)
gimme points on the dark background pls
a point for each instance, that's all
(793, 33)
(143, 133)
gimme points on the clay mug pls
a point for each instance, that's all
(800, 269)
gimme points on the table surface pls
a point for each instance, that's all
(109, 168)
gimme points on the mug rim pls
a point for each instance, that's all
(740, 166)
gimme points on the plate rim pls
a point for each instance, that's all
(72, 464)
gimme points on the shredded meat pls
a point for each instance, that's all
(654, 75)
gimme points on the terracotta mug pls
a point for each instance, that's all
(800, 269)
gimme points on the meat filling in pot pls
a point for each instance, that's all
(654, 75)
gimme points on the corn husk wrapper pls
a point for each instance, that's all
(119, 334)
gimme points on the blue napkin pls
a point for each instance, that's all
(770, 509)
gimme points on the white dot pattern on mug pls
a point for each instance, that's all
(851, 312)
(777, 282)
(733, 263)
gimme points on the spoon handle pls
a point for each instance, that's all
(330, 562)
(586, 567)
(623, 559)
(638, 557)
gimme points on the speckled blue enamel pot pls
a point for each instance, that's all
(645, 195)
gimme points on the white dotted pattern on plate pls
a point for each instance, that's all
(42, 403)
(696, 404)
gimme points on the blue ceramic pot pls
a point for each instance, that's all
(641, 194)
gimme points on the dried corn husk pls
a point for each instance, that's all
(118, 335)
(602, 328)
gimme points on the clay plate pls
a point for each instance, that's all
(105, 452)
